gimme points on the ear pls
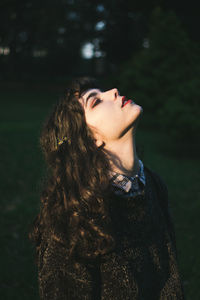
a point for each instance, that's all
(99, 143)
(97, 137)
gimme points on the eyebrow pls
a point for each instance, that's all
(91, 95)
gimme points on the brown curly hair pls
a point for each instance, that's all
(74, 209)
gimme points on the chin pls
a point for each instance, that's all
(137, 112)
(137, 116)
(138, 107)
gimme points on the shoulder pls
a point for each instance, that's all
(157, 180)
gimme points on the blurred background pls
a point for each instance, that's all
(149, 50)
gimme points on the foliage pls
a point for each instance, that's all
(45, 38)
(164, 77)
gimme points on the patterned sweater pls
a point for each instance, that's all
(143, 265)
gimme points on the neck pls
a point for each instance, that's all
(122, 155)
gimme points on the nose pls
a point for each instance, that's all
(112, 94)
(115, 93)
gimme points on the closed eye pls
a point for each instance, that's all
(96, 102)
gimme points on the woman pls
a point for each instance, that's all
(104, 230)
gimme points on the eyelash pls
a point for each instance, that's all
(95, 102)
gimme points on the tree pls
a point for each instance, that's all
(164, 76)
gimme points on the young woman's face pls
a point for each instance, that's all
(105, 115)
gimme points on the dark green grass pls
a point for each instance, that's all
(21, 115)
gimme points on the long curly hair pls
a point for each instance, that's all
(74, 209)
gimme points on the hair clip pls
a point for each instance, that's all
(60, 141)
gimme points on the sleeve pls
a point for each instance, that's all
(164, 203)
(61, 279)
(162, 192)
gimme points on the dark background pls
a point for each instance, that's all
(149, 50)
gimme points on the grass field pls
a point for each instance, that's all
(21, 115)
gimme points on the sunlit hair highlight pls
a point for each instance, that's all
(74, 198)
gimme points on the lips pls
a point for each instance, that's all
(125, 101)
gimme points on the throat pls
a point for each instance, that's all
(129, 172)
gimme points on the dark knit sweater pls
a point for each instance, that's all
(142, 266)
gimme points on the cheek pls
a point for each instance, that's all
(100, 124)
(110, 127)
(106, 119)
